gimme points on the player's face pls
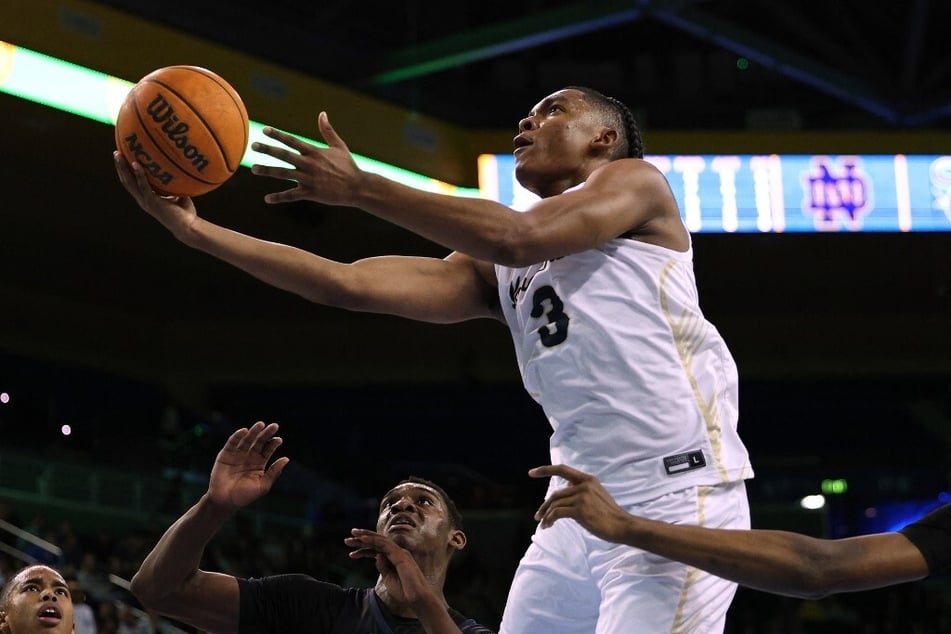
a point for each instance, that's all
(39, 602)
(414, 516)
(554, 141)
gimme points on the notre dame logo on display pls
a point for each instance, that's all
(837, 193)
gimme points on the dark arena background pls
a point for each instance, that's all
(126, 359)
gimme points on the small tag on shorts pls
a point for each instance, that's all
(683, 462)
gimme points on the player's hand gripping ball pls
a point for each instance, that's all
(186, 126)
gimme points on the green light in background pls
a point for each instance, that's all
(835, 486)
(742, 63)
(94, 95)
(61, 85)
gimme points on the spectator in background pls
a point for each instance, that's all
(93, 579)
(107, 616)
(83, 615)
(6, 569)
(132, 621)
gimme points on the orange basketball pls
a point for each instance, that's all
(186, 126)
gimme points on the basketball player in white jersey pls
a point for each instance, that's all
(595, 282)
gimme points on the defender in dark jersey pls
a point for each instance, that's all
(417, 532)
(780, 562)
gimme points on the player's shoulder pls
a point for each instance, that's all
(635, 172)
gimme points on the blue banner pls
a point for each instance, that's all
(780, 193)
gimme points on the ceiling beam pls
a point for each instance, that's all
(507, 37)
(851, 56)
(927, 116)
(779, 58)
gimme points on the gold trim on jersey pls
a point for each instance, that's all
(693, 574)
(689, 333)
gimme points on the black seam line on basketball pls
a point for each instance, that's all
(221, 149)
(228, 88)
(171, 159)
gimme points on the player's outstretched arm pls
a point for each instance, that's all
(779, 562)
(169, 581)
(616, 198)
(427, 289)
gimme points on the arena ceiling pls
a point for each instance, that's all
(680, 63)
(90, 279)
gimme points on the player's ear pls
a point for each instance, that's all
(457, 539)
(4, 625)
(605, 140)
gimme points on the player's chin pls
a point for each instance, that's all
(403, 539)
(526, 175)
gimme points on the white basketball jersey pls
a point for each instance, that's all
(640, 389)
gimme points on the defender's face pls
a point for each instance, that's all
(39, 602)
(414, 516)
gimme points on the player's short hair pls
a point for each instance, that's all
(618, 116)
(455, 517)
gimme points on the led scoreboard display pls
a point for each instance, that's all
(791, 192)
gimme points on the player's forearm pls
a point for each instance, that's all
(481, 228)
(175, 558)
(279, 265)
(772, 561)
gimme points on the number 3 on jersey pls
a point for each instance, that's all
(546, 302)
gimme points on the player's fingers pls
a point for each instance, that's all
(281, 154)
(327, 131)
(274, 171)
(263, 433)
(289, 140)
(126, 177)
(276, 468)
(122, 165)
(363, 532)
(265, 442)
(363, 553)
(540, 513)
(555, 512)
(287, 196)
(364, 540)
(270, 446)
(249, 437)
(236, 439)
(561, 496)
(141, 180)
(562, 470)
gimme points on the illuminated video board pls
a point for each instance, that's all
(778, 193)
